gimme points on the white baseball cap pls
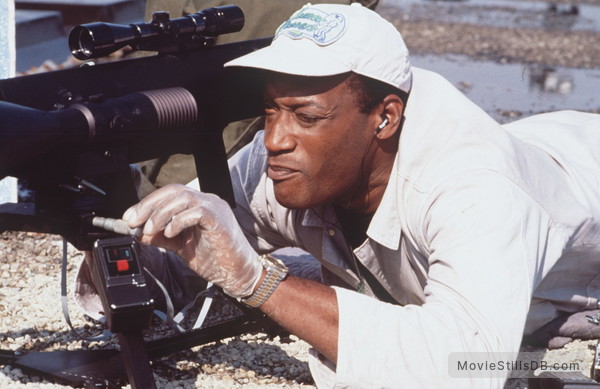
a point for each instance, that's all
(330, 39)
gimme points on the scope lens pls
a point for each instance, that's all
(86, 42)
(81, 43)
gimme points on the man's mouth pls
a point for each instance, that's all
(280, 173)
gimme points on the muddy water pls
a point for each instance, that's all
(504, 13)
(520, 88)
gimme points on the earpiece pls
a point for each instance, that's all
(382, 125)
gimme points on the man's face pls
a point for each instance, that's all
(317, 140)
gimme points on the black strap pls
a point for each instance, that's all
(378, 290)
(65, 301)
(355, 227)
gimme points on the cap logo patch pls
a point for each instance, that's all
(314, 24)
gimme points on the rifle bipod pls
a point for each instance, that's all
(113, 369)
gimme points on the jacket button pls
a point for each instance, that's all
(331, 232)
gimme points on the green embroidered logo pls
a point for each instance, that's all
(314, 24)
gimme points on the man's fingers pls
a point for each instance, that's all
(159, 240)
(173, 209)
(162, 215)
(138, 214)
(193, 217)
(208, 213)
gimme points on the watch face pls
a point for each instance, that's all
(275, 263)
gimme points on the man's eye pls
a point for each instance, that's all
(308, 119)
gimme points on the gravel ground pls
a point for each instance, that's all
(30, 309)
(31, 320)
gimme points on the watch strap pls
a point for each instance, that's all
(276, 272)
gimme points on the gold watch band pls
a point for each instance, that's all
(276, 272)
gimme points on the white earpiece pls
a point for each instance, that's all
(382, 125)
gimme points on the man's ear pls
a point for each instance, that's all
(391, 110)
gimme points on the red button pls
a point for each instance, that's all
(122, 265)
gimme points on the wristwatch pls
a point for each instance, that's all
(276, 272)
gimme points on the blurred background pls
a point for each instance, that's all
(512, 57)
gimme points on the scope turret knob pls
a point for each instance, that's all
(162, 20)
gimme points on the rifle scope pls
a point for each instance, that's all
(94, 40)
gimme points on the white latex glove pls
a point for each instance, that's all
(201, 229)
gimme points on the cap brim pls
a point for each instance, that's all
(302, 60)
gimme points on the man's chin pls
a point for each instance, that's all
(292, 198)
(291, 203)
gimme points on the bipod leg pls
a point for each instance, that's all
(135, 358)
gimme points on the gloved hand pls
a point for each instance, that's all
(201, 229)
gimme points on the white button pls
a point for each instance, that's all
(331, 232)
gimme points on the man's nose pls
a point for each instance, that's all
(279, 135)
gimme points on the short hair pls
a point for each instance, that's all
(371, 92)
